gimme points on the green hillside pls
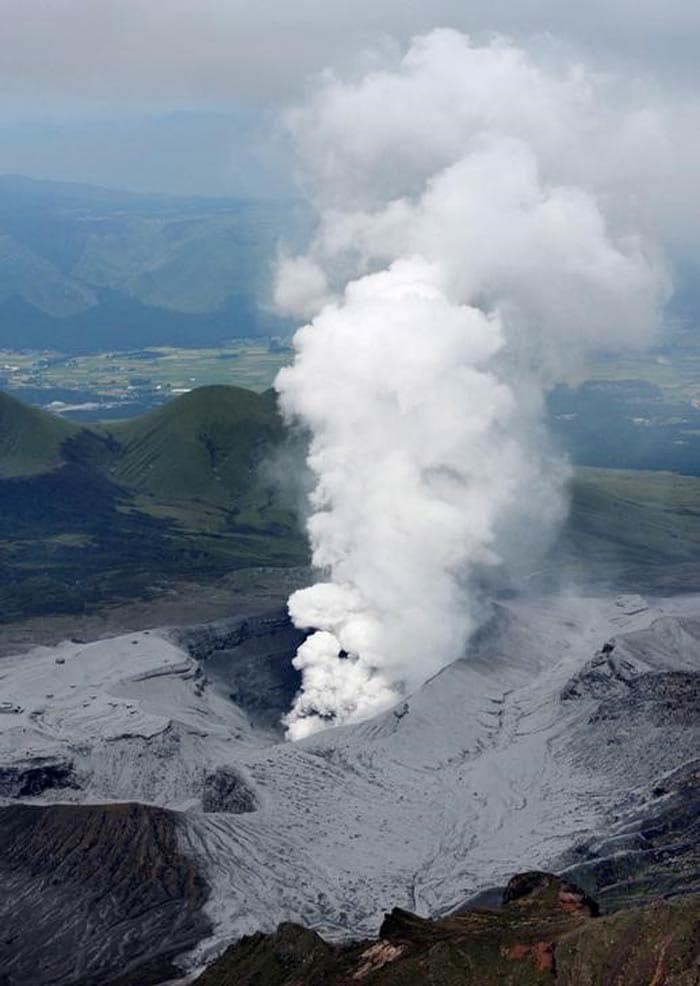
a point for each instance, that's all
(90, 514)
(115, 510)
(201, 445)
(31, 440)
(634, 530)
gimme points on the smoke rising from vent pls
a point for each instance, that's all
(479, 233)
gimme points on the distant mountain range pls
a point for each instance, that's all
(85, 269)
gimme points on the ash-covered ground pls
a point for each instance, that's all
(570, 719)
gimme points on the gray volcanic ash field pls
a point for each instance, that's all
(568, 718)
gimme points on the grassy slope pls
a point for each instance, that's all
(200, 461)
(30, 439)
(93, 514)
(202, 445)
(634, 529)
(120, 507)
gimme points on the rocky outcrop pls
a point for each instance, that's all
(545, 931)
(569, 897)
(602, 677)
(291, 955)
(653, 854)
(661, 698)
(628, 689)
(34, 776)
(226, 791)
(95, 894)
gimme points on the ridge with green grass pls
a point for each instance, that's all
(200, 445)
(112, 511)
(116, 510)
(31, 440)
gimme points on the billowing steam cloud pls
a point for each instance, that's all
(478, 233)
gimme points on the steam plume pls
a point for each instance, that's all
(477, 235)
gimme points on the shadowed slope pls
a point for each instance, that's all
(30, 440)
(122, 508)
(91, 893)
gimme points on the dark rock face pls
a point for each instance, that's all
(654, 854)
(226, 791)
(292, 955)
(36, 776)
(95, 894)
(650, 847)
(401, 926)
(603, 677)
(663, 698)
(569, 896)
(251, 660)
(546, 931)
(300, 947)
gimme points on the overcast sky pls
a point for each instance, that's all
(180, 95)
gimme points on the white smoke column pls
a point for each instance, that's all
(461, 197)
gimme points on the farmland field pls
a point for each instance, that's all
(123, 384)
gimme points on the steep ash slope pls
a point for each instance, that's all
(249, 660)
(135, 717)
(90, 892)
